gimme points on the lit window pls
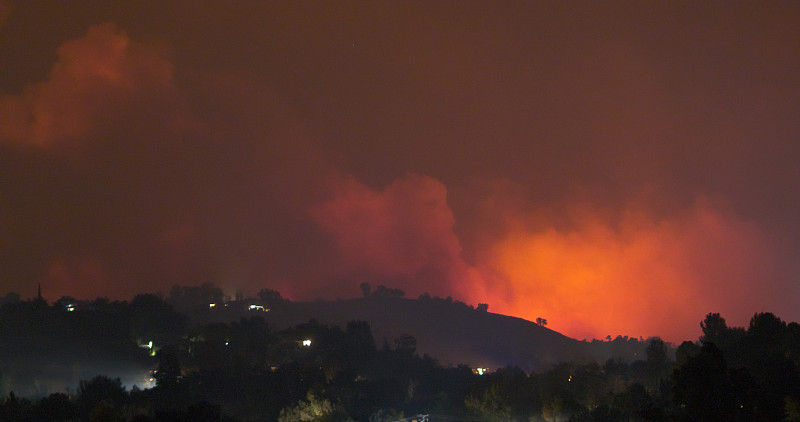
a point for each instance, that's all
(307, 342)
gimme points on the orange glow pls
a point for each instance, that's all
(574, 167)
(78, 275)
(590, 271)
(95, 79)
(642, 278)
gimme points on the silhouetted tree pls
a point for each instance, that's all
(10, 297)
(657, 365)
(767, 326)
(772, 374)
(15, 409)
(169, 368)
(100, 389)
(634, 402)
(703, 388)
(405, 346)
(270, 297)
(360, 343)
(153, 319)
(686, 351)
(57, 407)
(365, 289)
(715, 330)
(792, 340)
(193, 298)
(253, 372)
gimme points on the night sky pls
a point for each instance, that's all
(613, 167)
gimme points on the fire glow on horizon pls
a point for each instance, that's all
(640, 276)
(614, 173)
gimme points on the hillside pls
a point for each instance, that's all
(451, 332)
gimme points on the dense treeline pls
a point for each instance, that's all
(248, 371)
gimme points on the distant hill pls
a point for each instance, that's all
(452, 332)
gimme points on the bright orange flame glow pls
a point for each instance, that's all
(643, 277)
(597, 272)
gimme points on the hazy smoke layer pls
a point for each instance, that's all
(613, 171)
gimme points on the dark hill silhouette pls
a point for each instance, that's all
(452, 332)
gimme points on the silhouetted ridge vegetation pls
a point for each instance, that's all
(232, 363)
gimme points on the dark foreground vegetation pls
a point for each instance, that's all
(191, 368)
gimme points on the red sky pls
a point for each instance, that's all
(618, 168)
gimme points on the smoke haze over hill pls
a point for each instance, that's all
(616, 169)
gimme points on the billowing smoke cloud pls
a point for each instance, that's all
(400, 235)
(596, 273)
(614, 173)
(98, 80)
(99, 137)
